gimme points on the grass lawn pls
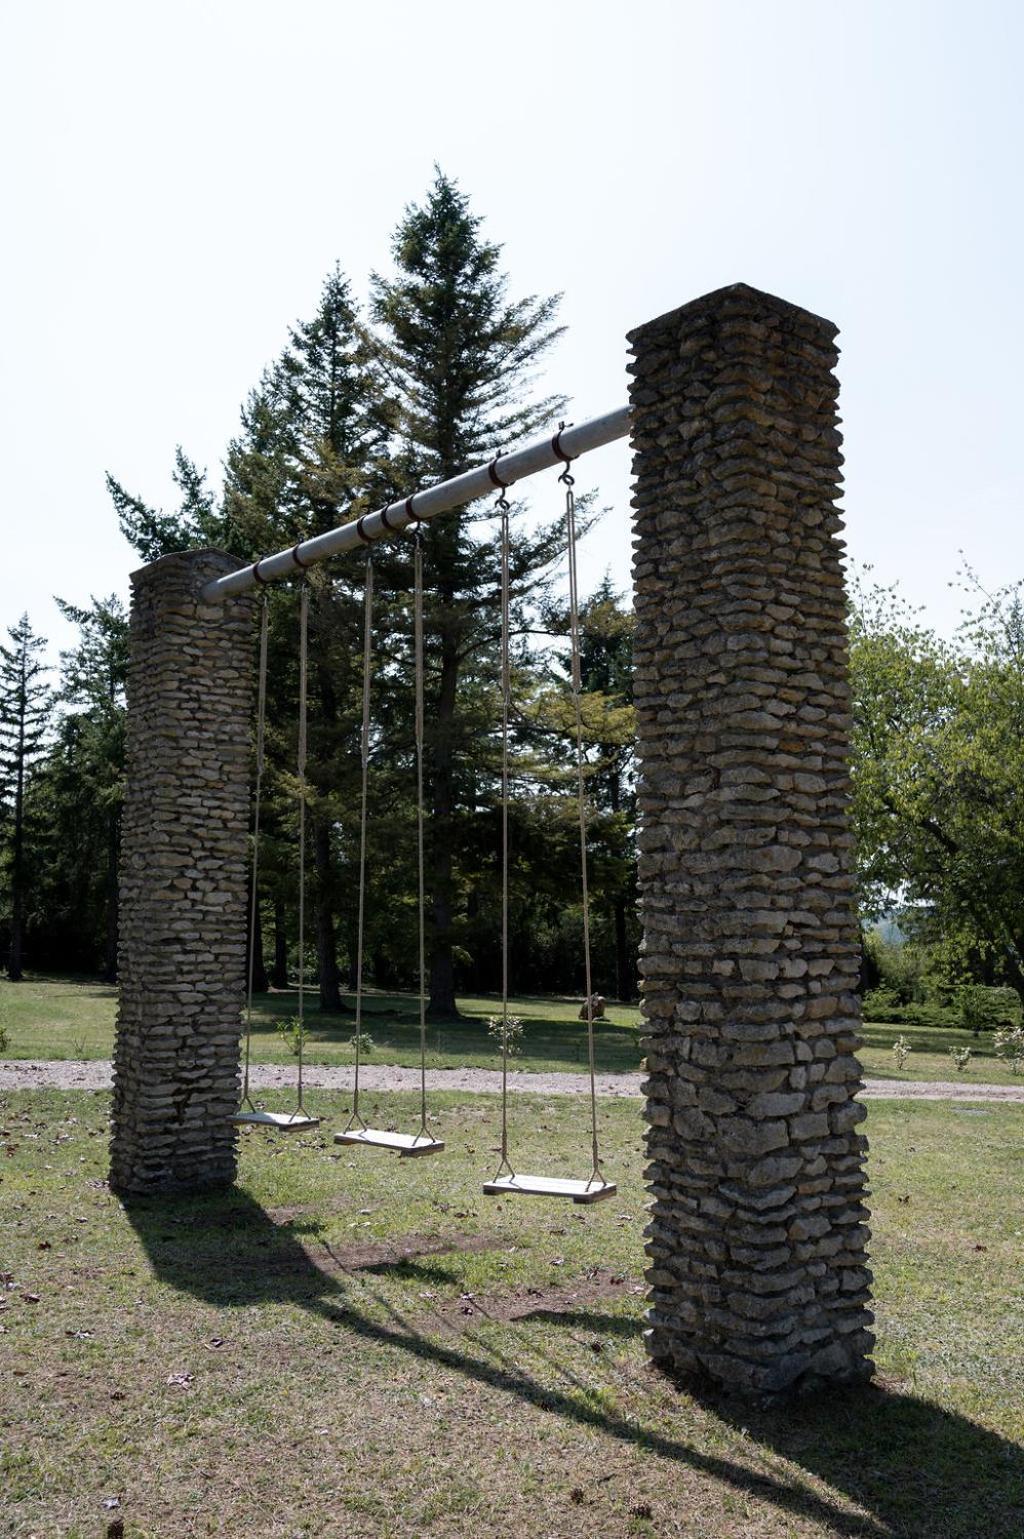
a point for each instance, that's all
(352, 1344)
(66, 1018)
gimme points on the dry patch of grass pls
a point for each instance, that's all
(349, 1343)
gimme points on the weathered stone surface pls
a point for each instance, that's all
(751, 949)
(183, 880)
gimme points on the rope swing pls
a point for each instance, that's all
(248, 1114)
(356, 1130)
(506, 1181)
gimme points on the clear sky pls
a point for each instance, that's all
(178, 177)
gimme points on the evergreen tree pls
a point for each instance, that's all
(309, 456)
(459, 356)
(93, 675)
(154, 533)
(25, 708)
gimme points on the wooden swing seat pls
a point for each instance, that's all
(549, 1186)
(411, 1145)
(281, 1122)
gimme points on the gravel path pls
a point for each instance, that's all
(95, 1074)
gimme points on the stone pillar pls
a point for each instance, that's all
(184, 857)
(757, 1236)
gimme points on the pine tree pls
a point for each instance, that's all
(155, 533)
(460, 358)
(309, 456)
(93, 675)
(25, 707)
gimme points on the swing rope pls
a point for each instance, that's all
(261, 717)
(301, 776)
(420, 810)
(567, 481)
(502, 505)
(365, 758)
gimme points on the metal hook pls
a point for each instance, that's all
(492, 471)
(556, 448)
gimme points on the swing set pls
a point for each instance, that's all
(507, 1180)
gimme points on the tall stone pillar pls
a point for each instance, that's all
(184, 852)
(757, 1235)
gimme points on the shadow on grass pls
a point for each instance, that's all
(393, 1023)
(915, 1470)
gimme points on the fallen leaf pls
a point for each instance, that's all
(180, 1380)
(31, 1298)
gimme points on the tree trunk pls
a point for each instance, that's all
(260, 981)
(623, 970)
(113, 851)
(14, 968)
(14, 960)
(440, 878)
(326, 946)
(279, 971)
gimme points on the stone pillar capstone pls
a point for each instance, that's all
(758, 1230)
(184, 858)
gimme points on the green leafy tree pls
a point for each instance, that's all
(25, 710)
(460, 357)
(609, 728)
(938, 773)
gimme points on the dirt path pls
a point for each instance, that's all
(66, 1074)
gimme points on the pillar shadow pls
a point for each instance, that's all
(914, 1470)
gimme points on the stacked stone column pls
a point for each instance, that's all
(757, 1235)
(184, 856)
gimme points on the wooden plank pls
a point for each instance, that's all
(409, 1144)
(549, 1186)
(282, 1122)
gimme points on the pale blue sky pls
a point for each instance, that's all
(178, 178)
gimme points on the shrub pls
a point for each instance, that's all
(515, 1033)
(5, 1039)
(901, 1051)
(983, 1008)
(901, 967)
(878, 1006)
(880, 1003)
(290, 1032)
(1009, 1046)
(961, 1057)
